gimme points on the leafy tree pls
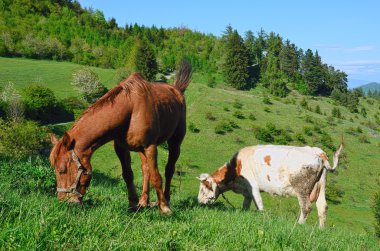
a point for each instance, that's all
(236, 63)
(88, 84)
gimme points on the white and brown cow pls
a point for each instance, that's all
(279, 170)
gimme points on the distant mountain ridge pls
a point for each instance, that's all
(373, 86)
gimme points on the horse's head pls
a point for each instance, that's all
(71, 184)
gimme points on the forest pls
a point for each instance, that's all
(62, 30)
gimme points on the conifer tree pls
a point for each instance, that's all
(235, 67)
(146, 62)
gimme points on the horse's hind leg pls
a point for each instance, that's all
(155, 177)
(174, 152)
(144, 199)
(125, 160)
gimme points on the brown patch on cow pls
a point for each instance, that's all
(324, 157)
(229, 171)
(267, 160)
(268, 177)
(315, 193)
(207, 184)
(238, 167)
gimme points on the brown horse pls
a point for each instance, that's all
(137, 116)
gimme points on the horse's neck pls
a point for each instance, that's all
(87, 137)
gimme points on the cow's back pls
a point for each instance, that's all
(280, 169)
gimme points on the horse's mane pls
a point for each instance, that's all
(135, 83)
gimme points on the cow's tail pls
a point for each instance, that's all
(335, 159)
(183, 76)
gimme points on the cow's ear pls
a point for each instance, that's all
(203, 176)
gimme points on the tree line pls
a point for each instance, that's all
(63, 30)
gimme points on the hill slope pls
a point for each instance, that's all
(205, 151)
(373, 86)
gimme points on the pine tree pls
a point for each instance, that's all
(235, 67)
(146, 62)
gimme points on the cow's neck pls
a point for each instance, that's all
(226, 175)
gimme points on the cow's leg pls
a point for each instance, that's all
(257, 198)
(247, 202)
(305, 206)
(125, 160)
(155, 178)
(144, 198)
(321, 201)
(174, 152)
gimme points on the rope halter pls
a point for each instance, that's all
(73, 188)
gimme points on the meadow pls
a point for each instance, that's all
(221, 120)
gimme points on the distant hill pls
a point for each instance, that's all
(373, 86)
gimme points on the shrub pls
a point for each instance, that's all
(42, 105)
(303, 103)
(299, 137)
(308, 130)
(335, 112)
(252, 117)
(278, 87)
(334, 193)
(283, 139)
(318, 109)
(327, 141)
(234, 125)
(193, 128)
(266, 100)
(239, 115)
(223, 127)
(211, 81)
(22, 139)
(209, 116)
(363, 112)
(364, 139)
(267, 109)
(263, 135)
(376, 212)
(88, 84)
(237, 104)
(226, 109)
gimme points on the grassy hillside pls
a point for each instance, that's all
(52, 74)
(349, 223)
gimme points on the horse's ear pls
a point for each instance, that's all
(67, 142)
(53, 139)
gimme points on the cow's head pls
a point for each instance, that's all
(208, 189)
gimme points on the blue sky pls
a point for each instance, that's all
(345, 33)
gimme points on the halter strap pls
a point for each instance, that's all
(73, 188)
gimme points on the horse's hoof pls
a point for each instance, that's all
(165, 210)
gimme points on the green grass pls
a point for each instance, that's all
(37, 220)
(32, 219)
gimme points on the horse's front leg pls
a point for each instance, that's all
(155, 178)
(144, 199)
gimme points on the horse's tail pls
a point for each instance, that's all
(183, 76)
